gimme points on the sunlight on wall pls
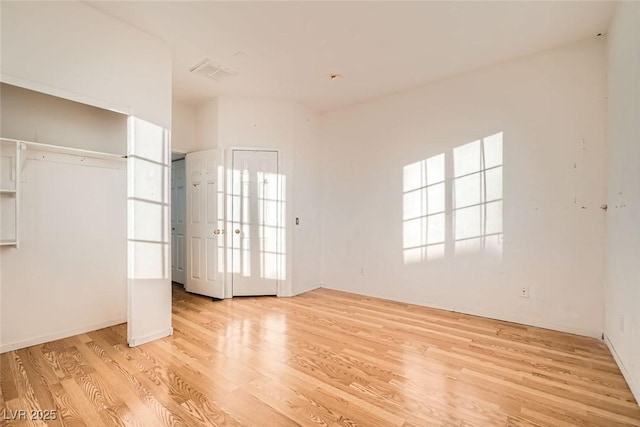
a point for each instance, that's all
(477, 201)
(424, 209)
(454, 212)
(260, 251)
(240, 220)
(148, 201)
(271, 219)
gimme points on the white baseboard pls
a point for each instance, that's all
(150, 337)
(308, 289)
(535, 323)
(634, 387)
(59, 335)
(505, 317)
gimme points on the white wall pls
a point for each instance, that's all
(305, 187)
(207, 124)
(183, 127)
(33, 116)
(622, 288)
(70, 273)
(551, 110)
(227, 122)
(71, 50)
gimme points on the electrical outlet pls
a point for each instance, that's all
(524, 292)
(362, 271)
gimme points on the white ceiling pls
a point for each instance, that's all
(291, 48)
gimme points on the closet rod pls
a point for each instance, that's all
(66, 150)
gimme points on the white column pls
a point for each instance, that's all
(149, 264)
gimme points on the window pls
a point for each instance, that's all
(477, 194)
(453, 204)
(424, 209)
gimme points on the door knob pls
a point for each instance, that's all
(216, 231)
(237, 231)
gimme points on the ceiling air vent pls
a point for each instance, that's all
(211, 70)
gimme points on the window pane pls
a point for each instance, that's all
(494, 183)
(467, 191)
(149, 260)
(435, 251)
(149, 179)
(435, 198)
(413, 176)
(412, 204)
(468, 222)
(494, 217)
(149, 141)
(150, 221)
(268, 188)
(413, 255)
(435, 228)
(246, 260)
(466, 158)
(234, 261)
(435, 169)
(469, 245)
(413, 233)
(493, 150)
(268, 239)
(268, 212)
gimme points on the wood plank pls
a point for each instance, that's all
(323, 358)
(41, 383)
(7, 380)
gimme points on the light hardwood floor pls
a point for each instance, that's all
(323, 358)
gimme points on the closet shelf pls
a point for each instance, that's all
(10, 157)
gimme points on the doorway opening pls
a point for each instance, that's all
(178, 216)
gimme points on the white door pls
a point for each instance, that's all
(178, 226)
(257, 225)
(205, 235)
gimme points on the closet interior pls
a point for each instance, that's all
(63, 217)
